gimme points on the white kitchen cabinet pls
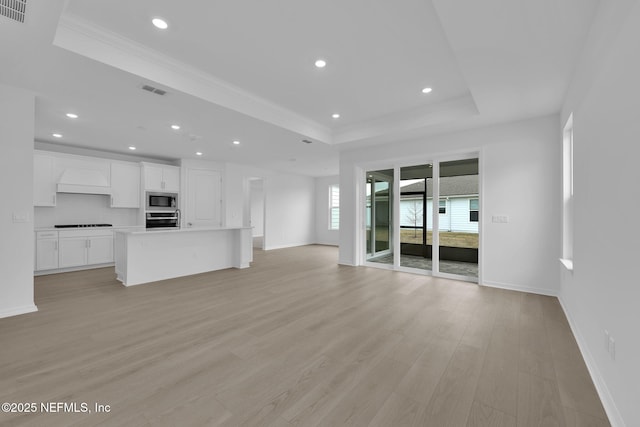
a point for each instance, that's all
(171, 177)
(125, 185)
(73, 252)
(85, 247)
(161, 178)
(46, 250)
(44, 180)
(100, 250)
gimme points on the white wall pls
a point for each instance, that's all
(324, 236)
(257, 207)
(84, 209)
(520, 171)
(17, 110)
(289, 204)
(603, 291)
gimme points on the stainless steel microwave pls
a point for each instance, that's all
(161, 201)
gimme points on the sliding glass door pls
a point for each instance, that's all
(458, 218)
(436, 201)
(379, 216)
(416, 189)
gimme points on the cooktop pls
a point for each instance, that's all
(82, 225)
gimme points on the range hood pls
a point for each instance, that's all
(83, 181)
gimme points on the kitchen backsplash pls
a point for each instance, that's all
(84, 209)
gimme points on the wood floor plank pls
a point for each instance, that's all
(295, 340)
(361, 403)
(498, 382)
(397, 411)
(486, 416)
(452, 399)
(424, 375)
(538, 402)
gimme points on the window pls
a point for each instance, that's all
(442, 207)
(473, 210)
(334, 207)
(567, 192)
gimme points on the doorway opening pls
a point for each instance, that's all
(256, 215)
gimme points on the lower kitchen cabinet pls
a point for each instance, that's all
(46, 250)
(73, 252)
(100, 249)
(74, 248)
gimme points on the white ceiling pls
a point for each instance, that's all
(244, 70)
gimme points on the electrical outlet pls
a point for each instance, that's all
(612, 348)
(606, 340)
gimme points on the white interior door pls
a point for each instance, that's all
(203, 198)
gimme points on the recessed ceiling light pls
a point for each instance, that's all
(335, 115)
(321, 63)
(72, 115)
(175, 127)
(131, 147)
(198, 153)
(56, 135)
(236, 142)
(160, 23)
(426, 90)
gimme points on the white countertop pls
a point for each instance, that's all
(114, 227)
(176, 230)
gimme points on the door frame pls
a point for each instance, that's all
(435, 160)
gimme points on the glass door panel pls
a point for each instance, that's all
(458, 217)
(379, 218)
(416, 193)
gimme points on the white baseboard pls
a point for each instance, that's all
(615, 418)
(293, 245)
(70, 269)
(520, 288)
(15, 311)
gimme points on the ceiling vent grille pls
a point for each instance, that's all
(152, 89)
(13, 9)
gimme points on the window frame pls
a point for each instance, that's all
(442, 210)
(331, 225)
(476, 210)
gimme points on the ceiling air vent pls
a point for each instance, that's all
(13, 9)
(151, 88)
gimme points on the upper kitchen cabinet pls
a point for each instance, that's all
(125, 185)
(161, 178)
(44, 180)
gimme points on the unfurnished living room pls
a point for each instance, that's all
(284, 213)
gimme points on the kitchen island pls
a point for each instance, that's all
(145, 256)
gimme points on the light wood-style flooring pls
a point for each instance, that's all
(295, 340)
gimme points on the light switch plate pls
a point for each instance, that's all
(21, 217)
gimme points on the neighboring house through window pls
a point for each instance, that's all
(473, 210)
(442, 207)
(334, 207)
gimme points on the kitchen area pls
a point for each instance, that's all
(93, 212)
